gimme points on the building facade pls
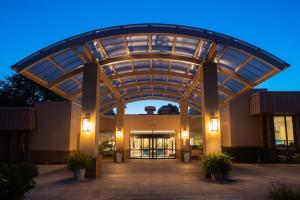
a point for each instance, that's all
(258, 126)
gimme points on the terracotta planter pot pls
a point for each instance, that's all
(79, 174)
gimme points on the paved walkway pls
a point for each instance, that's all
(161, 179)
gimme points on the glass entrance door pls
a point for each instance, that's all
(152, 147)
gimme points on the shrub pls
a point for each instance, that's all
(105, 148)
(247, 154)
(280, 191)
(296, 158)
(216, 163)
(283, 158)
(16, 180)
(78, 161)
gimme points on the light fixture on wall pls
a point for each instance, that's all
(214, 124)
(86, 124)
(119, 134)
(185, 134)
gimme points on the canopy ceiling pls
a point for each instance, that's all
(150, 61)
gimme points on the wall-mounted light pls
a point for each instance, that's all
(214, 124)
(185, 134)
(119, 134)
(86, 124)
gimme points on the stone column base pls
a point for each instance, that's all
(95, 170)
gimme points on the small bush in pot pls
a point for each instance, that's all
(16, 179)
(77, 163)
(216, 165)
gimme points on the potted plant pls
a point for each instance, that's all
(216, 165)
(118, 155)
(77, 163)
(105, 149)
(187, 154)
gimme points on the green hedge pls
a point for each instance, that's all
(16, 180)
(279, 191)
(245, 154)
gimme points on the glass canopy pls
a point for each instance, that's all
(150, 61)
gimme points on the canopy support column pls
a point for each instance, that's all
(90, 108)
(90, 116)
(120, 132)
(184, 127)
(210, 109)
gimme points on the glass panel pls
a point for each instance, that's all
(284, 133)
(152, 147)
(162, 43)
(137, 43)
(279, 128)
(233, 85)
(160, 147)
(290, 131)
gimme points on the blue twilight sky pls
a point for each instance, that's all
(273, 25)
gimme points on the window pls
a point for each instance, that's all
(284, 133)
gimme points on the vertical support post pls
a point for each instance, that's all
(210, 109)
(185, 129)
(120, 132)
(184, 122)
(90, 108)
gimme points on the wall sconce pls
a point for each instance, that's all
(185, 134)
(86, 124)
(119, 134)
(214, 124)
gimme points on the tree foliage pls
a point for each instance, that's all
(18, 91)
(172, 109)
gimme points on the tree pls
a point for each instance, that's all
(169, 109)
(18, 91)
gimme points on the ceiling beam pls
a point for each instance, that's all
(236, 76)
(109, 84)
(151, 83)
(198, 49)
(44, 84)
(212, 52)
(227, 92)
(128, 58)
(193, 83)
(243, 64)
(65, 77)
(175, 94)
(103, 75)
(109, 107)
(151, 72)
(88, 56)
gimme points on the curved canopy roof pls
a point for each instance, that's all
(150, 61)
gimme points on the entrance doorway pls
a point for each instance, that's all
(152, 146)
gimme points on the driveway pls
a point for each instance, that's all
(161, 179)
